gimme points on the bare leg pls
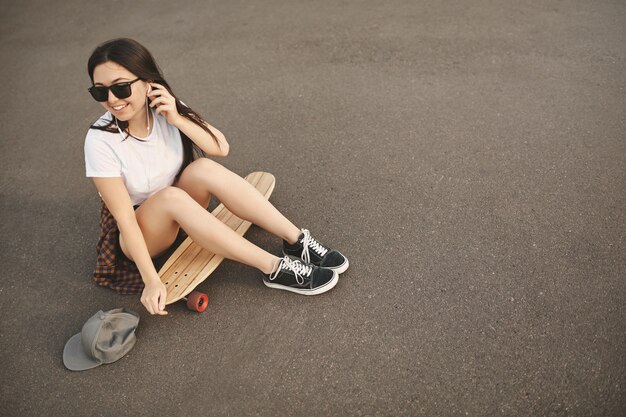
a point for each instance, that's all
(204, 177)
(161, 215)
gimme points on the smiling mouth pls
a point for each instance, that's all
(118, 108)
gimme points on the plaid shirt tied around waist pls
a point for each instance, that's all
(113, 268)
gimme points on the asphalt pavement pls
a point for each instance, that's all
(467, 156)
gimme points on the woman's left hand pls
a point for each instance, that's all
(164, 102)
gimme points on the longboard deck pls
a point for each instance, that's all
(190, 264)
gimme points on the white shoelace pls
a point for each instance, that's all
(309, 242)
(295, 266)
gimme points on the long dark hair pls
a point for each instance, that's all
(133, 56)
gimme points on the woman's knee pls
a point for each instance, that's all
(172, 197)
(202, 176)
(201, 166)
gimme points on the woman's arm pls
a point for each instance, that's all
(116, 198)
(166, 105)
(202, 138)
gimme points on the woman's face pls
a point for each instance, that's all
(128, 108)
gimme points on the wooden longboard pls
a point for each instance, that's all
(190, 264)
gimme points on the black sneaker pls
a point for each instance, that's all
(311, 251)
(295, 276)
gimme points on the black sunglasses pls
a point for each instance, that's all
(119, 90)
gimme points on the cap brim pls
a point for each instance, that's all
(74, 356)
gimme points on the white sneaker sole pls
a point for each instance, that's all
(315, 291)
(338, 269)
(341, 268)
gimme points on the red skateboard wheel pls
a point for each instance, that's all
(197, 301)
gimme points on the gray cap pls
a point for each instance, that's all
(106, 337)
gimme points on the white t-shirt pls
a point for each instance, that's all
(145, 166)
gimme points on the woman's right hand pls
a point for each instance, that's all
(153, 297)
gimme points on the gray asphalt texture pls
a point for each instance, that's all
(469, 158)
